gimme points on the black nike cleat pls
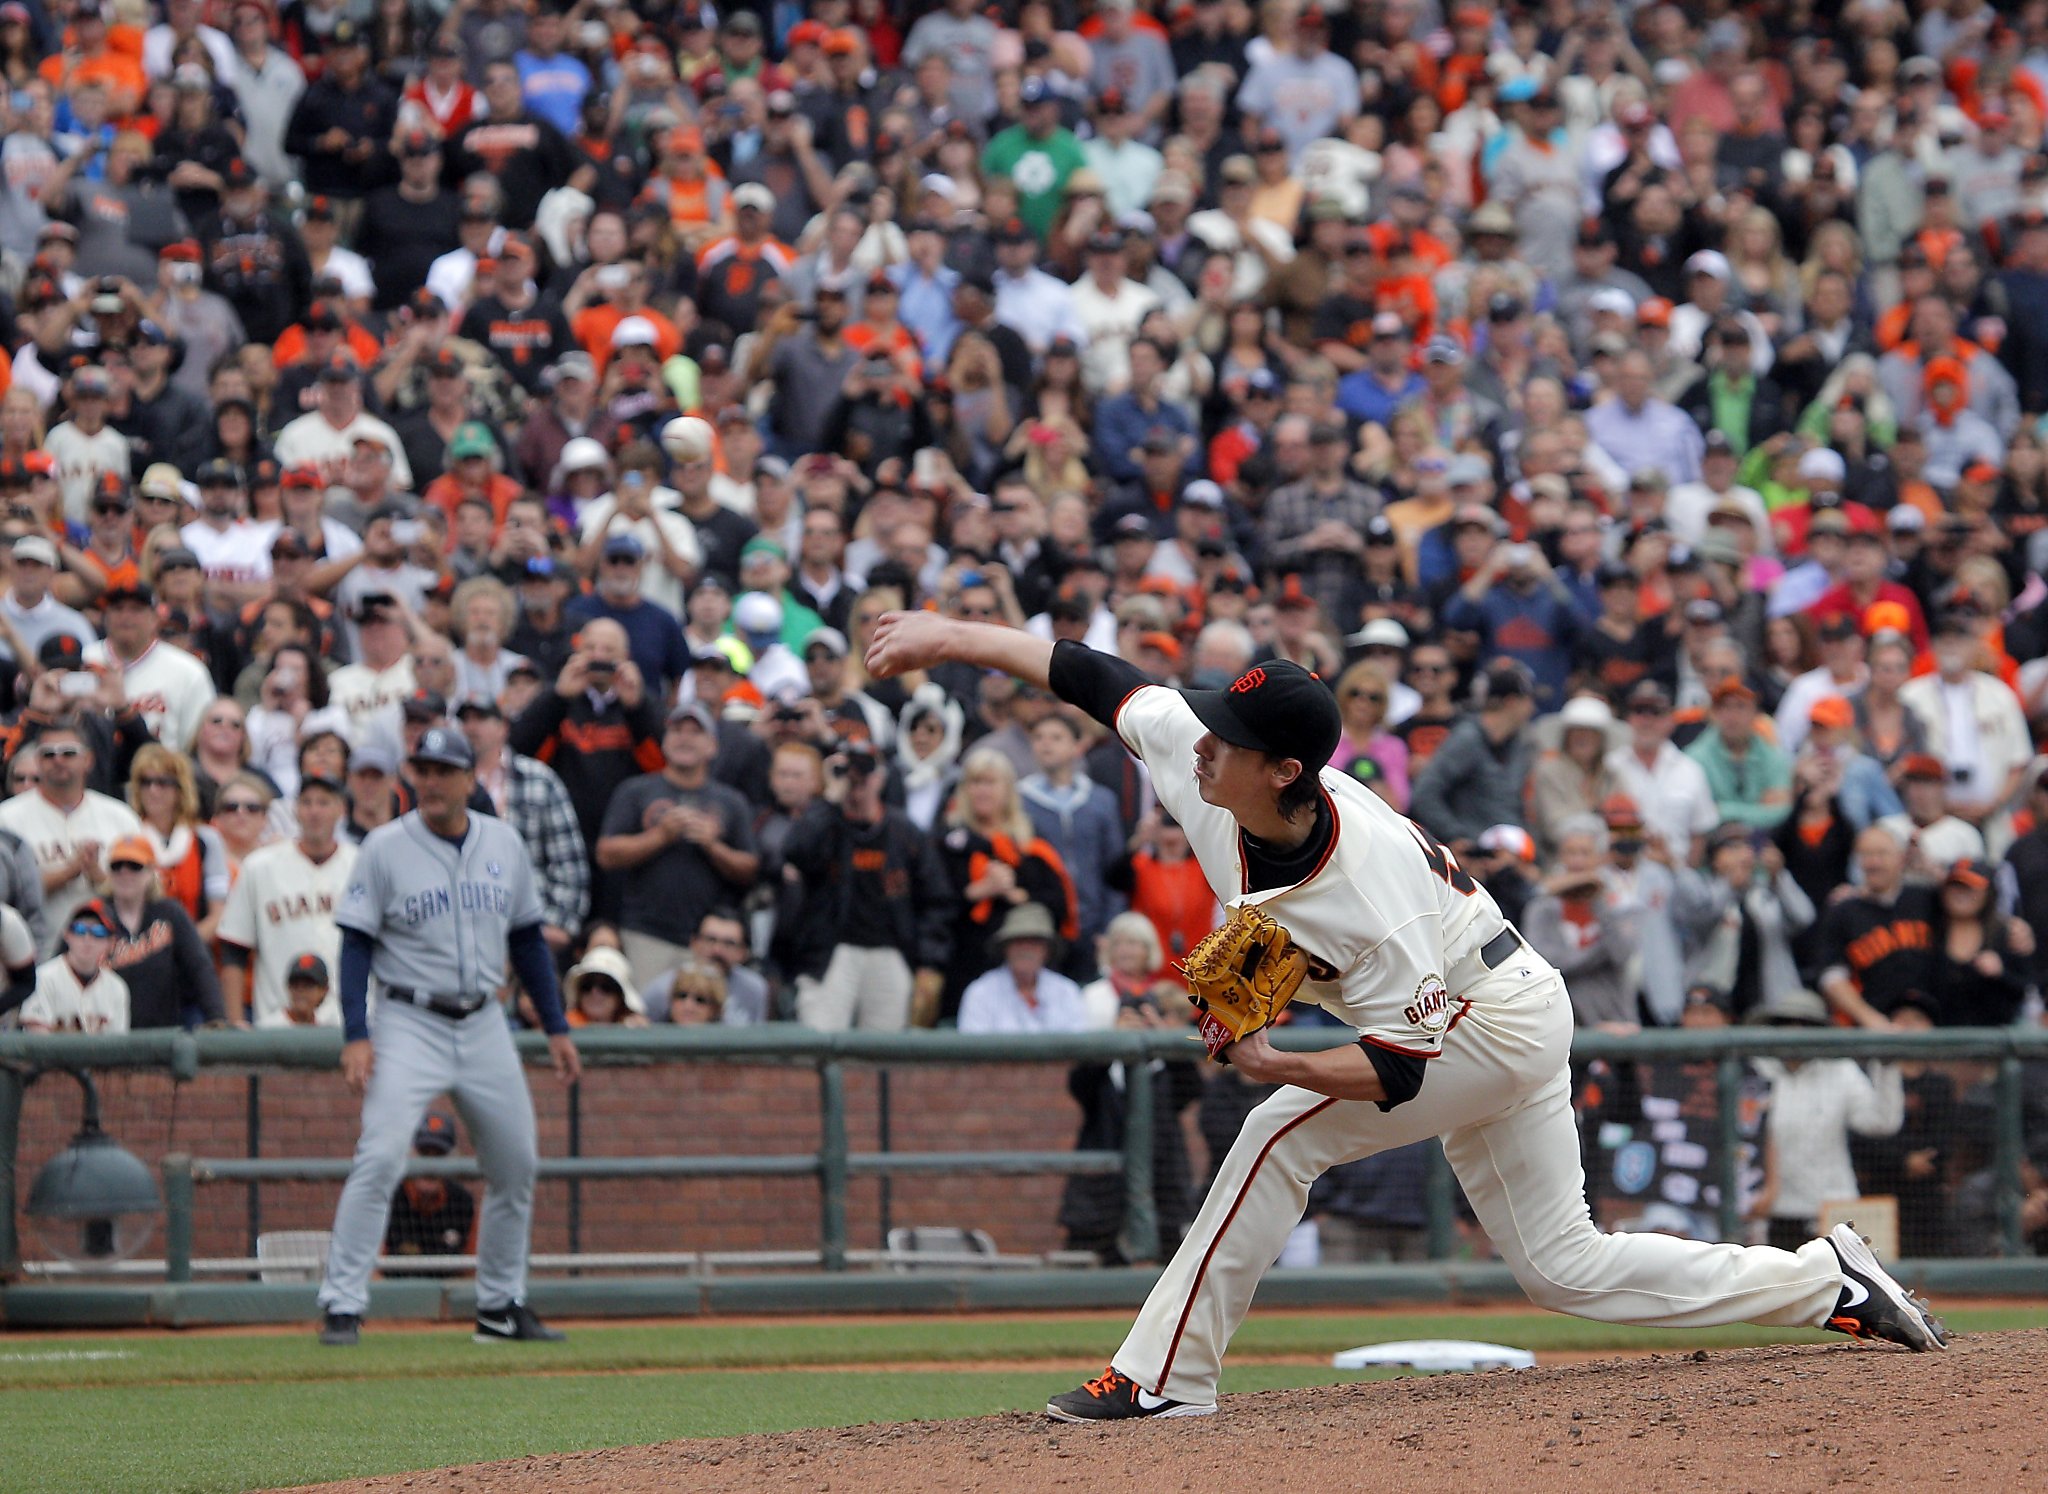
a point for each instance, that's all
(1874, 1307)
(1115, 1396)
(514, 1325)
(341, 1330)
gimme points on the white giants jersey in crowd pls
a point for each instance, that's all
(282, 907)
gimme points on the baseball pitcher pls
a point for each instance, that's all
(1463, 1033)
(437, 902)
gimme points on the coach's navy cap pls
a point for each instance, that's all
(446, 746)
(1278, 708)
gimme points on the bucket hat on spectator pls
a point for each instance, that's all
(610, 965)
(1581, 712)
(1026, 921)
(1381, 632)
(161, 480)
(1490, 219)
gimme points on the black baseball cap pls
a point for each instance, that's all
(446, 746)
(61, 651)
(137, 590)
(1277, 708)
(436, 1134)
(425, 705)
(307, 967)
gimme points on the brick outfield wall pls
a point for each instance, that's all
(674, 1110)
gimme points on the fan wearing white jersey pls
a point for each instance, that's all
(1464, 1033)
(282, 907)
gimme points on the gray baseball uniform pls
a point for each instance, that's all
(439, 918)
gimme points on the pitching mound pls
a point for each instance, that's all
(1753, 1419)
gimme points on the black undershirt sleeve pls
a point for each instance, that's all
(1400, 1074)
(1096, 682)
(1099, 684)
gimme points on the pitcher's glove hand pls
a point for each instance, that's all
(1241, 975)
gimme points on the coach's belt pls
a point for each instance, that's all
(440, 1005)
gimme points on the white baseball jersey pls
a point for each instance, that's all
(65, 1004)
(240, 552)
(372, 697)
(52, 833)
(170, 687)
(283, 906)
(1388, 917)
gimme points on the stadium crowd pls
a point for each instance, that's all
(1637, 414)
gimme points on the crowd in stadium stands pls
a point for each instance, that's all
(1637, 414)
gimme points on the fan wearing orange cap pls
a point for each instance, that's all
(1842, 671)
(1981, 978)
(156, 947)
(1749, 774)
(1957, 436)
(1646, 884)
(1833, 759)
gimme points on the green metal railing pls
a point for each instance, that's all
(185, 1054)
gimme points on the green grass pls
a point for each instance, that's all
(167, 1413)
(203, 1439)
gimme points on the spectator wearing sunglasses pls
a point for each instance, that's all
(155, 947)
(68, 824)
(75, 991)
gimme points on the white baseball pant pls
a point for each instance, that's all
(420, 1055)
(1500, 1097)
(868, 987)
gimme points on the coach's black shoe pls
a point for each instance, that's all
(1115, 1396)
(1874, 1307)
(341, 1330)
(514, 1325)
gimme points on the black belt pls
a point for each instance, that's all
(1500, 948)
(439, 1005)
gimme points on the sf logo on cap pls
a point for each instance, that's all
(1250, 680)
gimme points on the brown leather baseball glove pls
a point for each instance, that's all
(1241, 975)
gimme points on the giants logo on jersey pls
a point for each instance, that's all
(1431, 1009)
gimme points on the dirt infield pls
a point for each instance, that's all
(1754, 1419)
